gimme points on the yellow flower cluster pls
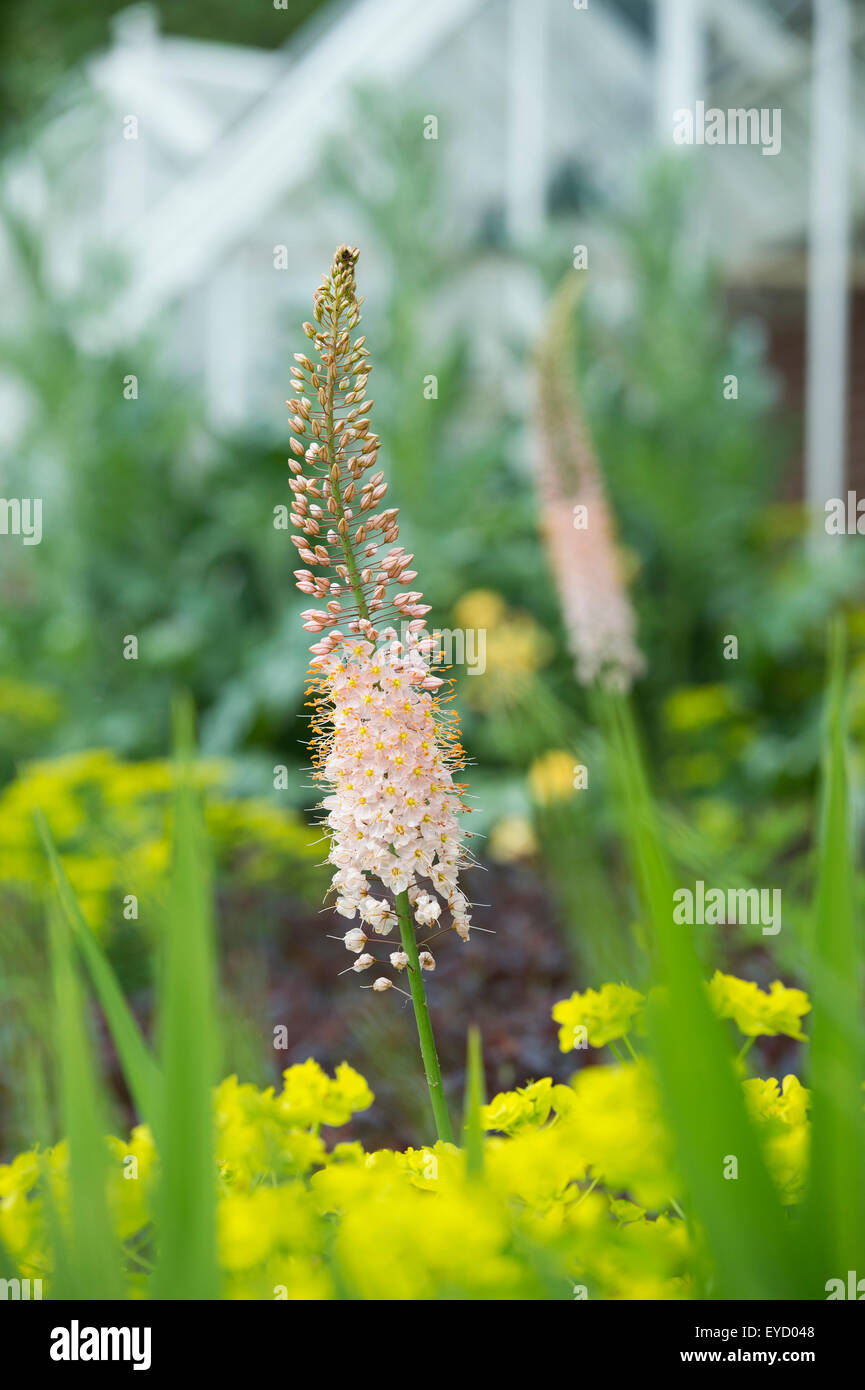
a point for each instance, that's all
(24, 705)
(598, 1016)
(602, 1016)
(756, 1012)
(698, 706)
(515, 649)
(577, 1196)
(551, 777)
(109, 819)
(511, 1111)
(780, 1113)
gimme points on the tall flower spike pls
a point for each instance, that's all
(596, 607)
(383, 746)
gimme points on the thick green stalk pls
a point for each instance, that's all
(424, 1024)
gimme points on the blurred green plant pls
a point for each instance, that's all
(112, 822)
(448, 428)
(732, 603)
(151, 528)
(694, 478)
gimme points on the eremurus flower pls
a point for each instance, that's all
(586, 563)
(383, 746)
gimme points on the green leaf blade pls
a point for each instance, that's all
(187, 1267)
(835, 1225)
(138, 1066)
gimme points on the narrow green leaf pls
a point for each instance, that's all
(138, 1066)
(186, 1266)
(8, 1266)
(475, 1097)
(835, 1207)
(94, 1264)
(59, 1265)
(741, 1217)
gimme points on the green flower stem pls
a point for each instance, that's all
(592, 1185)
(424, 1025)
